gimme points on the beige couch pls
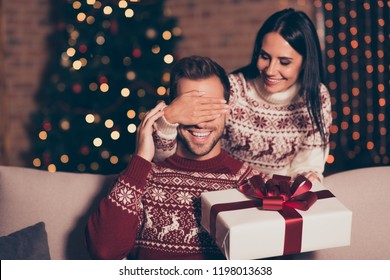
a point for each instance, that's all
(63, 202)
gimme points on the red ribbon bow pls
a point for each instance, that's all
(280, 192)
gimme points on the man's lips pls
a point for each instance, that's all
(199, 136)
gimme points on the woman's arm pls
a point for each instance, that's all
(310, 163)
(164, 137)
(311, 160)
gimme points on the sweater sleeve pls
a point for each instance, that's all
(309, 161)
(112, 229)
(164, 137)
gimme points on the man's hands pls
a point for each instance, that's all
(193, 108)
(145, 144)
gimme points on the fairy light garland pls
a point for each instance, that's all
(77, 57)
(358, 79)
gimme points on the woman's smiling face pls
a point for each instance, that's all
(279, 64)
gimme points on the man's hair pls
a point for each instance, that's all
(197, 68)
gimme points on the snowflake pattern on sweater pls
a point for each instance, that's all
(269, 135)
(172, 214)
(165, 211)
(272, 132)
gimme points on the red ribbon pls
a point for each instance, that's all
(278, 194)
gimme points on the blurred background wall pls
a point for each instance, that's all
(353, 34)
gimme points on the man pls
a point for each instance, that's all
(153, 210)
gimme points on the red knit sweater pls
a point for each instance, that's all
(153, 210)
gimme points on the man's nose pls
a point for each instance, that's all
(202, 125)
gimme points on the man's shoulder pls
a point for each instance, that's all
(243, 168)
(251, 170)
(237, 166)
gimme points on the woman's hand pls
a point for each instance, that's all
(194, 108)
(311, 176)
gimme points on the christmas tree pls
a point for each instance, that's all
(109, 64)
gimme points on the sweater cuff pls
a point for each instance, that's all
(138, 169)
(165, 128)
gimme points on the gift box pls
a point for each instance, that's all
(254, 223)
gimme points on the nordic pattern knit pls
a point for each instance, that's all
(153, 210)
(272, 132)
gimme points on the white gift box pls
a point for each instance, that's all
(253, 233)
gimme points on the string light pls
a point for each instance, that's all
(71, 52)
(82, 93)
(177, 31)
(167, 35)
(131, 114)
(107, 10)
(52, 168)
(81, 17)
(161, 90)
(115, 135)
(168, 59)
(97, 5)
(114, 159)
(125, 92)
(131, 128)
(122, 4)
(64, 158)
(76, 5)
(105, 154)
(105, 60)
(131, 75)
(81, 167)
(354, 33)
(37, 162)
(77, 64)
(104, 87)
(129, 13)
(43, 135)
(94, 166)
(156, 49)
(109, 123)
(100, 40)
(65, 124)
(151, 33)
(97, 142)
(89, 118)
(93, 86)
(90, 20)
(141, 93)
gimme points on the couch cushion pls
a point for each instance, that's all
(61, 200)
(29, 243)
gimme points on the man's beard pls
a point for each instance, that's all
(203, 149)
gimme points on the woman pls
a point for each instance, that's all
(280, 110)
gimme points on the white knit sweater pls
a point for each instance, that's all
(271, 132)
